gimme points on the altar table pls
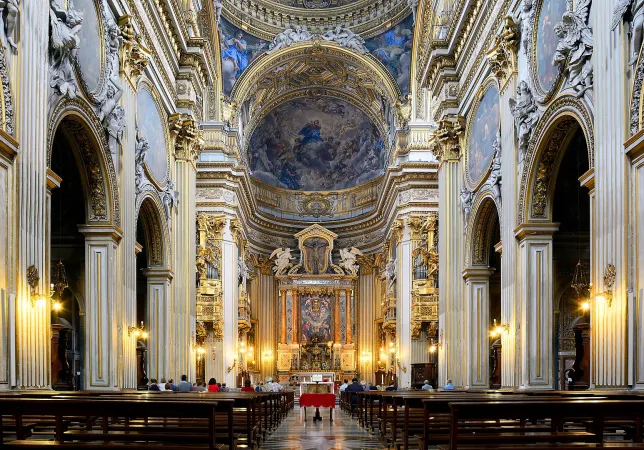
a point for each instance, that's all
(318, 401)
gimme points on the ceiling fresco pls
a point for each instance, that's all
(316, 144)
(315, 4)
(393, 49)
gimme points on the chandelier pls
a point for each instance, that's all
(59, 280)
(579, 280)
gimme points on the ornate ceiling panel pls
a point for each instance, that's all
(266, 18)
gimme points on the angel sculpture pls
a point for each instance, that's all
(633, 9)
(243, 273)
(170, 198)
(525, 112)
(64, 41)
(390, 275)
(349, 257)
(466, 202)
(575, 48)
(283, 39)
(10, 20)
(494, 180)
(283, 259)
(141, 153)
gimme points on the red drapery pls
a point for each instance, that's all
(317, 400)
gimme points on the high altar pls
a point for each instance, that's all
(317, 307)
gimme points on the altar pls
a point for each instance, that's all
(323, 387)
(317, 308)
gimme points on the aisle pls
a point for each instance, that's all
(343, 434)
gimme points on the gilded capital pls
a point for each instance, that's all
(135, 55)
(187, 137)
(449, 133)
(502, 55)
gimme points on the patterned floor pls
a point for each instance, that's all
(343, 433)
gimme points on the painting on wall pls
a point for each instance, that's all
(484, 128)
(238, 50)
(549, 15)
(316, 144)
(393, 49)
(316, 318)
(88, 54)
(151, 127)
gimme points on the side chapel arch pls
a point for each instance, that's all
(77, 120)
(150, 211)
(485, 212)
(553, 133)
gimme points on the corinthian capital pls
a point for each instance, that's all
(187, 135)
(502, 55)
(134, 54)
(448, 133)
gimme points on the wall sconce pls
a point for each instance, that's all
(609, 281)
(498, 329)
(230, 369)
(201, 352)
(401, 367)
(138, 331)
(32, 280)
(585, 306)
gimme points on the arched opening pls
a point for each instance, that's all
(67, 263)
(494, 263)
(152, 295)
(571, 262)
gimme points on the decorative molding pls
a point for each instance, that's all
(135, 56)
(449, 133)
(502, 55)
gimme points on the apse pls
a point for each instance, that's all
(316, 144)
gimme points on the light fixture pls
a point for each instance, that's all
(230, 368)
(138, 331)
(433, 348)
(401, 367)
(579, 280)
(59, 280)
(609, 281)
(32, 280)
(498, 329)
(585, 306)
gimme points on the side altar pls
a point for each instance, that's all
(317, 306)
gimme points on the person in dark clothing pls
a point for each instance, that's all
(153, 385)
(354, 387)
(392, 387)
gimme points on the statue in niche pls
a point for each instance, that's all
(314, 254)
(524, 21)
(575, 48)
(63, 44)
(10, 19)
(494, 178)
(170, 198)
(349, 257)
(283, 259)
(390, 276)
(633, 10)
(244, 273)
(141, 153)
(466, 202)
(110, 114)
(526, 115)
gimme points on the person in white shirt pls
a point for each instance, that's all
(344, 385)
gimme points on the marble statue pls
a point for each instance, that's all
(243, 273)
(575, 48)
(346, 38)
(524, 21)
(10, 20)
(114, 126)
(63, 43)
(283, 259)
(170, 198)
(289, 37)
(413, 5)
(219, 6)
(466, 202)
(633, 9)
(526, 115)
(141, 153)
(348, 257)
(494, 179)
(390, 275)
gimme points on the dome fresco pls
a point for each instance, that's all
(316, 144)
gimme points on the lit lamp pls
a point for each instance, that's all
(498, 329)
(32, 280)
(138, 331)
(609, 281)
(201, 352)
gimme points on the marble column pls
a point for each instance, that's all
(283, 317)
(367, 316)
(535, 268)
(31, 357)
(101, 323)
(264, 311)
(450, 251)
(610, 233)
(403, 308)
(229, 285)
(336, 316)
(477, 321)
(160, 339)
(349, 316)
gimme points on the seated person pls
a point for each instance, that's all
(247, 387)
(391, 387)
(449, 386)
(354, 387)
(427, 386)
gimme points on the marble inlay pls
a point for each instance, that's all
(344, 433)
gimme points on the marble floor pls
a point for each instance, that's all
(343, 433)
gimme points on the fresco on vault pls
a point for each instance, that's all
(547, 41)
(484, 129)
(393, 49)
(238, 50)
(316, 318)
(316, 144)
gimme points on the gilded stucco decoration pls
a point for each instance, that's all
(135, 56)
(637, 99)
(79, 120)
(149, 210)
(566, 108)
(449, 134)
(479, 232)
(266, 19)
(188, 138)
(502, 55)
(6, 102)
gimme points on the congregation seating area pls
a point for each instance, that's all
(482, 420)
(140, 419)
